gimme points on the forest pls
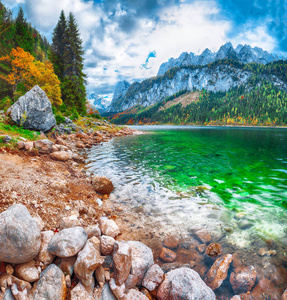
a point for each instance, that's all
(27, 59)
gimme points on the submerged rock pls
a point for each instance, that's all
(218, 272)
(184, 283)
(20, 236)
(167, 255)
(33, 111)
(243, 279)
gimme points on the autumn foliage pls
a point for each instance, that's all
(23, 72)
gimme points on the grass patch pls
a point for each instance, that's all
(15, 131)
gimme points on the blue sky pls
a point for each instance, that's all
(129, 39)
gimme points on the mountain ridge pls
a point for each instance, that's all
(244, 54)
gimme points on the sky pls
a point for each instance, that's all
(130, 39)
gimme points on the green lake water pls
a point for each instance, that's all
(173, 171)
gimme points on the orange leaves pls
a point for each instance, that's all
(25, 69)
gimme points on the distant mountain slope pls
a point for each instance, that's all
(257, 102)
(221, 75)
(244, 54)
(99, 103)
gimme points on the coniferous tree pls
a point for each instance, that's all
(68, 54)
(58, 46)
(24, 38)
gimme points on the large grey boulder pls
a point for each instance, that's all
(184, 283)
(33, 111)
(20, 236)
(68, 242)
(51, 285)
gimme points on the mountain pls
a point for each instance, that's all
(244, 54)
(120, 91)
(100, 103)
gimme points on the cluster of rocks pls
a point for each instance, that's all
(87, 263)
(90, 263)
(66, 128)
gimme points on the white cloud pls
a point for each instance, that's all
(256, 37)
(113, 54)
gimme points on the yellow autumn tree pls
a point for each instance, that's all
(27, 71)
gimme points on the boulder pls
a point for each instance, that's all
(28, 271)
(60, 155)
(109, 227)
(167, 255)
(122, 261)
(153, 277)
(107, 293)
(243, 279)
(51, 285)
(20, 236)
(142, 260)
(218, 272)
(68, 242)
(102, 185)
(184, 283)
(44, 146)
(88, 260)
(107, 245)
(44, 255)
(33, 111)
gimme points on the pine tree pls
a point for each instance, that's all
(67, 57)
(23, 37)
(58, 46)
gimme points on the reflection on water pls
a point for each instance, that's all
(230, 180)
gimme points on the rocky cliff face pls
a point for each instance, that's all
(219, 78)
(244, 54)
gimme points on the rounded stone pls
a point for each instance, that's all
(20, 236)
(184, 283)
(68, 242)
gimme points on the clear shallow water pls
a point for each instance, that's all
(231, 180)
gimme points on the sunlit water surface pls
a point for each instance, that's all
(230, 180)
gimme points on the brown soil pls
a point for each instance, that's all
(183, 99)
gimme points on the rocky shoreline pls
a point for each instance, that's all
(64, 240)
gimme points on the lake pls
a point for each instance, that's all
(232, 181)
